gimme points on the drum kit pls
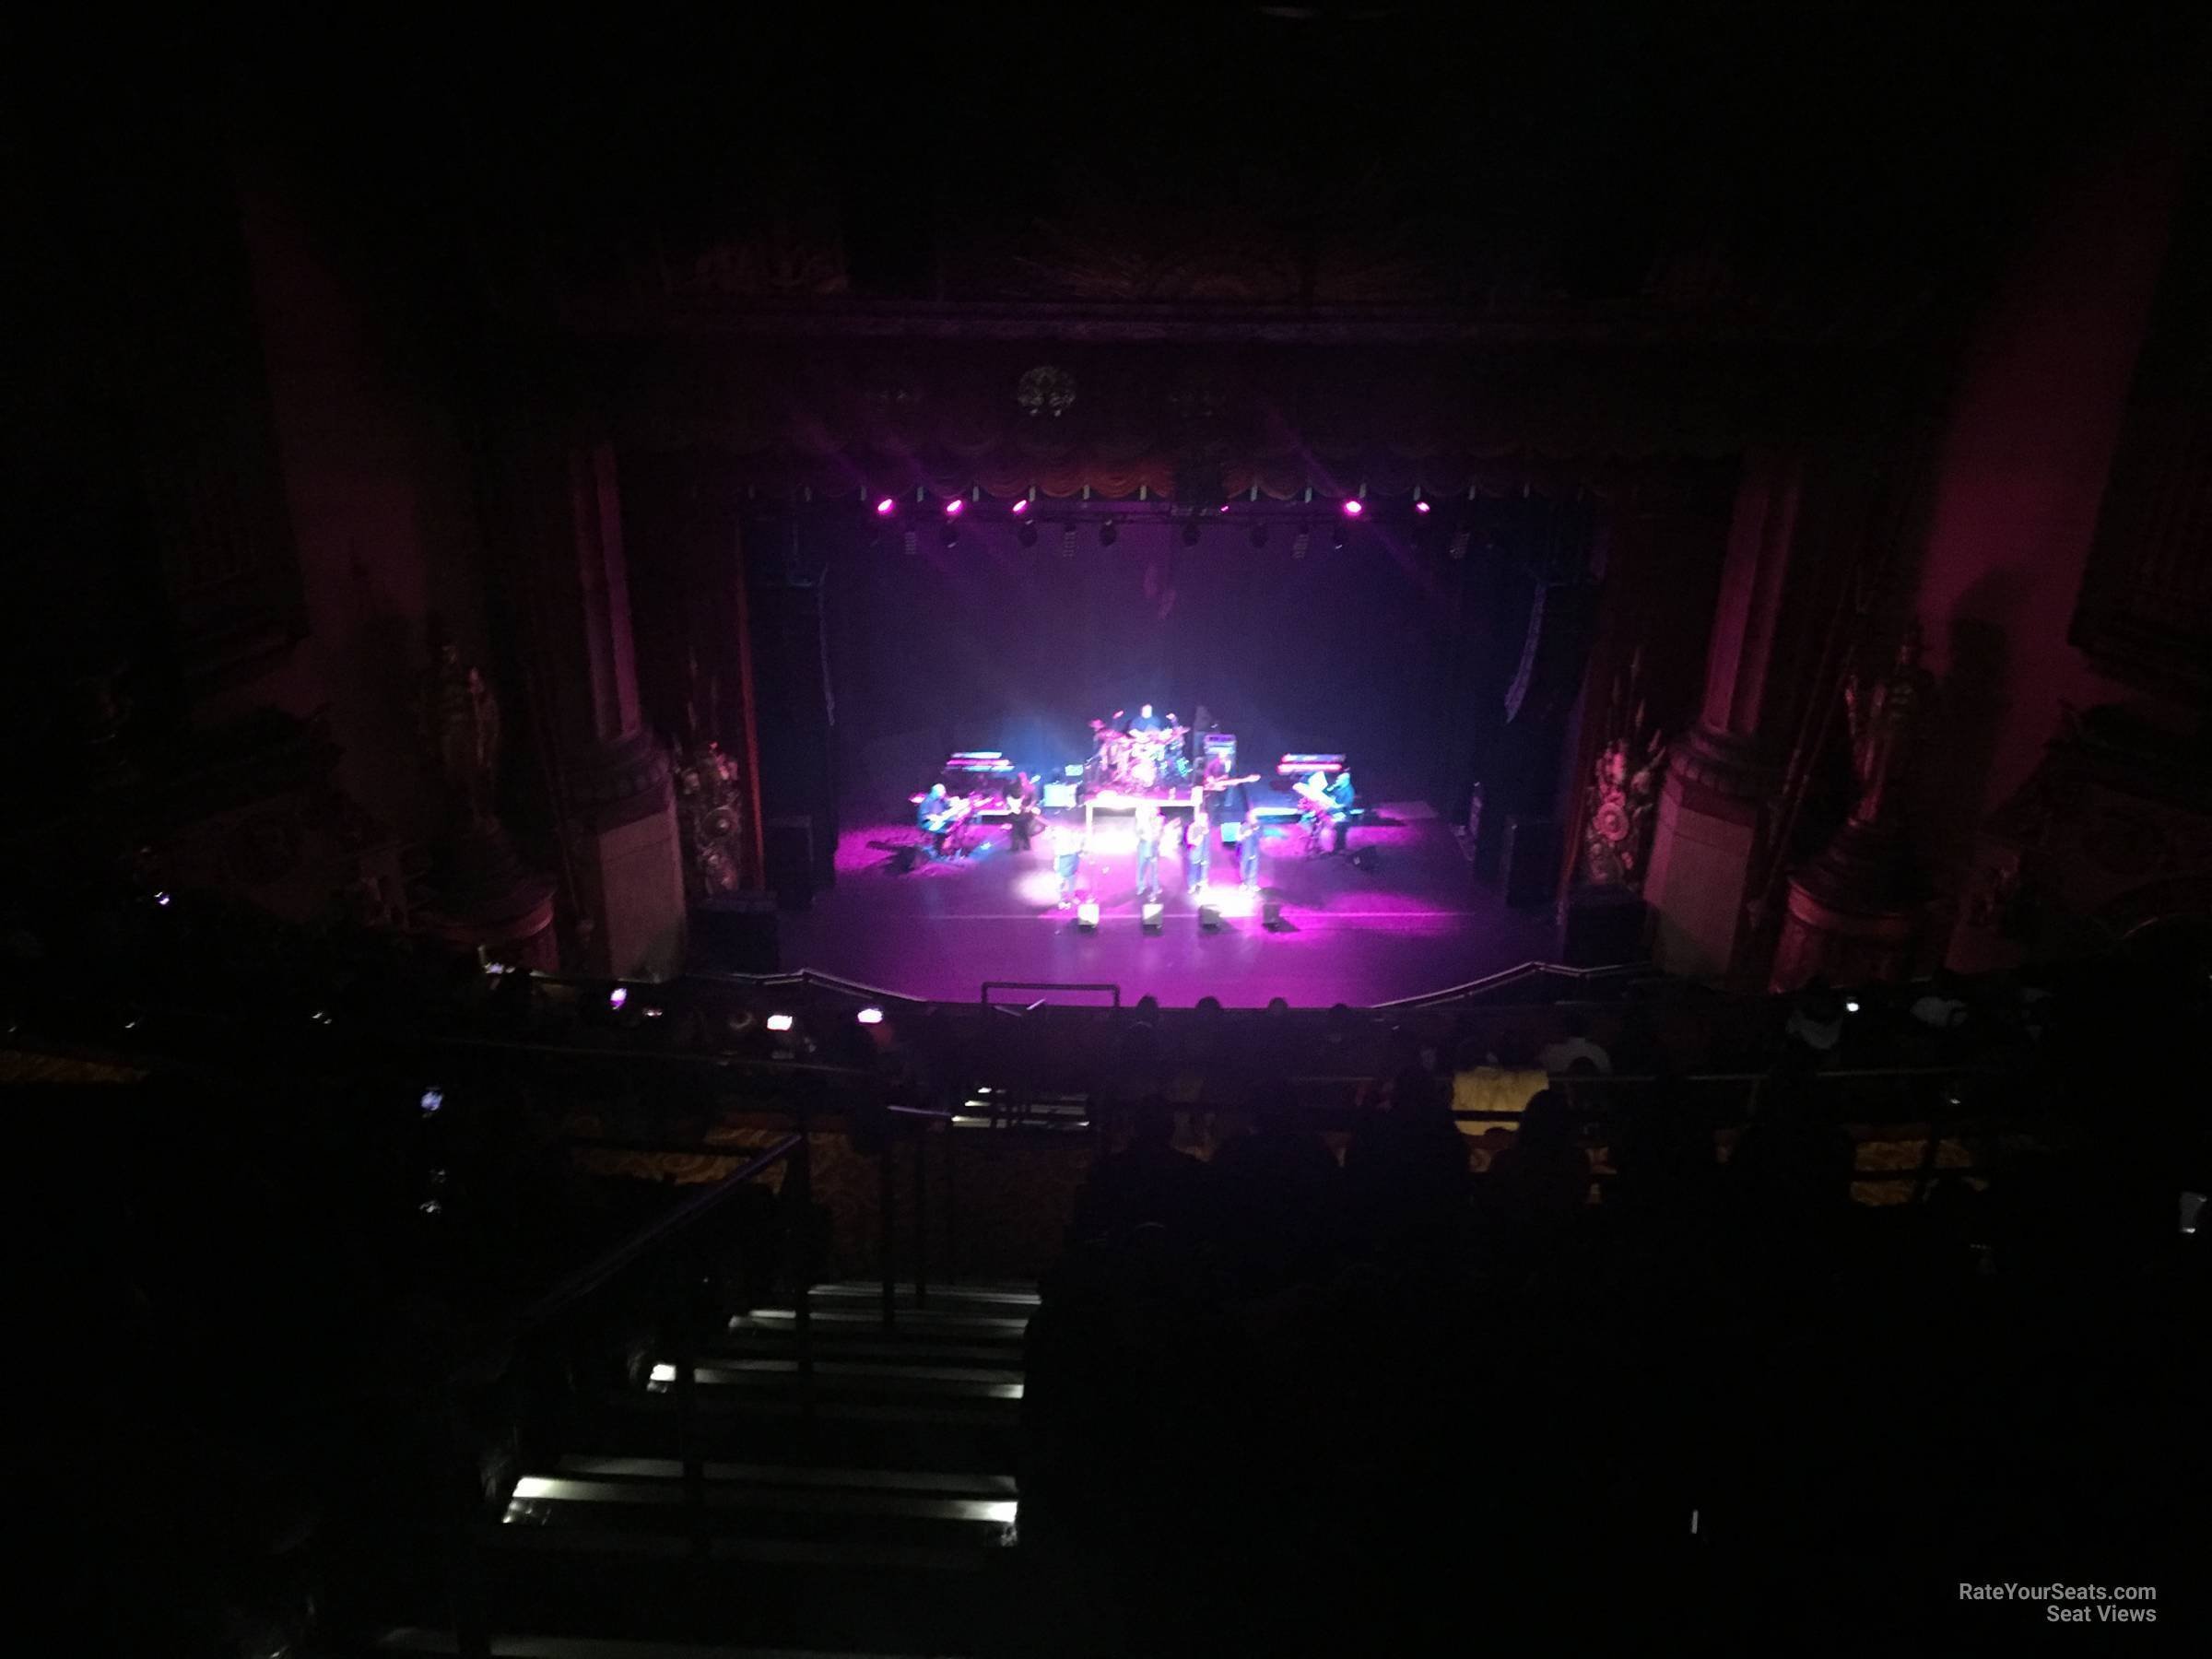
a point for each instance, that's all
(1137, 760)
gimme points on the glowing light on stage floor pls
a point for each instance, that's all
(1039, 888)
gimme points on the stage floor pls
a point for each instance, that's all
(1417, 922)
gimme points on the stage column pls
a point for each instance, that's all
(1711, 839)
(615, 811)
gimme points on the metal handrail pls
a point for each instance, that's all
(655, 1233)
(984, 991)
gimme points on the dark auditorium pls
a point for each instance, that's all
(1112, 831)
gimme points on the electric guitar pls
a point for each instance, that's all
(957, 808)
(1217, 784)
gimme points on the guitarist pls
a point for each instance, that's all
(938, 816)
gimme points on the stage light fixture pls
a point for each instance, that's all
(780, 1022)
(1086, 915)
(956, 506)
(1353, 507)
(870, 1017)
(1110, 532)
(1021, 506)
(1190, 533)
(885, 507)
(1026, 534)
(1153, 917)
(1421, 508)
(162, 899)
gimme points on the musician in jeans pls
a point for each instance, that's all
(1344, 797)
(1199, 857)
(1248, 851)
(1067, 859)
(1149, 828)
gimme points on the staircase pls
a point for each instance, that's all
(881, 1519)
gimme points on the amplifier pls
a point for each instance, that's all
(1059, 794)
(1222, 745)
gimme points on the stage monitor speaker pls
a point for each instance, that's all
(1532, 861)
(791, 861)
(736, 933)
(1602, 927)
(1271, 907)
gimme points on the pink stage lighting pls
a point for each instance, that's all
(885, 507)
(954, 508)
(1021, 507)
(1421, 506)
(1354, 507)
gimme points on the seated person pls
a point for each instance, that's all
(937, 817)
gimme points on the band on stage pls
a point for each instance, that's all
(1148, 764)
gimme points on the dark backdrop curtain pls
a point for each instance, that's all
(1379, 650)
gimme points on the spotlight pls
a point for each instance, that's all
(1153, 917)
(1353, 507)
(870, 1017)
(1259, 535)
(779, 1022)
(1026, 534)
(433, 1101)
(1421, 508)
(1851, 1008)
(1223, 508)
(955, 507)
(950, 535)
(1021, 506)
(1110, 531)
(1210, 918)
(885, 507)
(1086, 915)
(616, 997)
(1190, 533)
(162, 899)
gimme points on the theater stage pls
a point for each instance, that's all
(1417, 922)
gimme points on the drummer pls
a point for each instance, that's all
(1146, 720)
